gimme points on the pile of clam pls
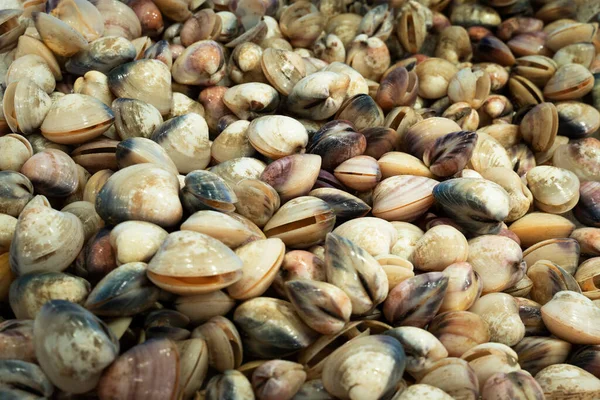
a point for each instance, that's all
(275, 200)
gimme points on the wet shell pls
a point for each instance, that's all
(555, 190)
(403, 197)
(25, 106)
(135, 118)
(375, 235)
(563, 313)
(61, 38)
(277, 136)
(570, 82)
(293, 175)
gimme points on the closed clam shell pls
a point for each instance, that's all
(204, 190)
(382, 361)
(136, 241)
(454, 376)
(459, 331)
(576, 119)
(540, 126)
(185, 140)
(538, 352)
(74, 347)
(375, 235)
(21, 379)
(261, 261)
(292, 176)
(403, 197)
(270, 328)
(422, 391)
(555, 190)
(60, 37)
(498, 260)
(587, 239)
(356, 272)
(25, 105)
(501, 313)
(345, 205)
(438, 248)
(360, 173)
(561, 380)
(45, 239)
(488, 153)
(562, 316)
(276, 136)
(464, 287)
(301, 222)
(223, 341)
(362, 111)
(336, 142)
(194, 355)
(31, 291)
(103, 54)
(230, 384)
(16, 150)
(277, 379)
(52, 173)
(257, 200)
(192, 263)
(450, 153)
(128, 193)
(251, 100)
(586, 211)
(398, 163)
(139, 150)
(582, 157)
(231, 229)
(82, 16)
(536, 227)
(34, 68)
(201, 63)
(76, 118)
(162, 372)
(469, 86)
(95, 84)
(415, 301)
(16, 191)
(232, 143)
(570, 82)
(319, 95)
(478, 205)
(516, 385)
(202, 307)
(135, 118)
(8, 224)
(562, 251)
(569, 33)
(490, 358)
(283, 69)
(145, 80)
(423, 134)
(235, 170)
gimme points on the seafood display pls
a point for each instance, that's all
(299, 200)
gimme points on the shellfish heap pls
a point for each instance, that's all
(271, 199)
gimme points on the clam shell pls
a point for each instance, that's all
(25, 106)
(135, 118)
(231, 229)
(536, 227)
(60, 37)
(403, 197)
(555, 190)
(374, 235)
(277, 136)
(563, 313)
(102, 55)
(561, 251)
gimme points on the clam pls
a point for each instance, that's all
(36, 246)
(257, 200)
(16, 340)
(17, 151)
(251, 100)
(361, 111)
(193, 263)
(235, 170)
(415, 301)
(270, 328)
(469, 86)
(488, 153)
(102, 55)
(498, 260)
(202, 63)
(31, 45)
(278, 379)
(261, 261)
(562, 313)
(501, 313)
(95, 84)
(139, 150)
(587, 239)
(232, 384)
(97, 257)
(382, 359)
(464, 287)
(16, 190)
(421, 391)
(570, 82)
(561, 251)
(438, 248)
(283, 69)
(549, 279)
(25, 106)
(223, 341)
(204, 190)
(577, 120)
(319, 95)
(540, 126)
(345, 205)
(580, 157)
(301, 222)
(490, 358)
(358, 84)
(300, 265)
(202, 307)
(87, 119)
(232, 143)
(8, 225)
(336, 142)
(136, 241)
(520, 197)
(12, 28)
(34, 68)
(52, 173)
(586, 358)
(555, 190)
(434, 77)
(402, 197)
(145, 80)
(360, 173)
(231, 229)
(515, 385)
(21, 379)
(128, 193)
(536, 227)
(135, 118)
(59, 36)
(322, 306)
(398, 163)
(538, 352)
(423, 134)
(559, 379)
(478, 205)
(374, 235)
(450, 153)
(356, 272)
(133, 373)
(277, 136)
(454, 376)
(30, 292)
(302, 23)
(72, 366)
(292, 176)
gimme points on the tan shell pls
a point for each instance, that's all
(61, 38)
(33, 67)
(539, 127)
(440, 247)
(563, 316)
(555, 190)
(25, 105)
(359, 173)
(536, 227)
(277, 136)
(403, 197)
(561, 380)
(16, 150)
(501, 312)
(136, 241)
(398, 163)
(193, 263)
(375, 235)
(231, 229)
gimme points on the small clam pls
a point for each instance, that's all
(202, 307)
(301, 222)
(270, 328)
(77, 364)
(402, 197)
(464, 287)
(251, 100)
(204, 190)
(570, 82)
(434, 77)
(476, 204)
(455, 377)
(135, 118)
(415, 301)
(421, 391)
(501, 312)
(513, 385)
(232, 385)
(136, 241)
(490, 358)
(202, 63)
(562, 313)
(30, 292)
(139, 150)
(277, 136)
(223, 341)
(176, 267)
(450, 153)
(359, 173)
(59, 36)
(95, 84)
(16, 150)
(97, 257)
(16, 190)
(25, 106)
(319, 95)
(16, 340)
(231, 229)
(128, 193)
(232, 143)
(293, 175)
(586, 357)
(562, 251)
(257, 200)
(536, 227)
(235, 170)
(45, 239)
(438, 248)
(374, 235)
(356, 272)
(561, 380)
(133, 373)
(549, 279)
(469, 86)
(300, 265)
(538, 352)
(555, 190)
(580, 157)
(382, 361)
(102, 55)
(361, 111)
(283, 69)
(278, 379)
(423, 134)
(336, 142)
(539, 126)
(8, 225)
